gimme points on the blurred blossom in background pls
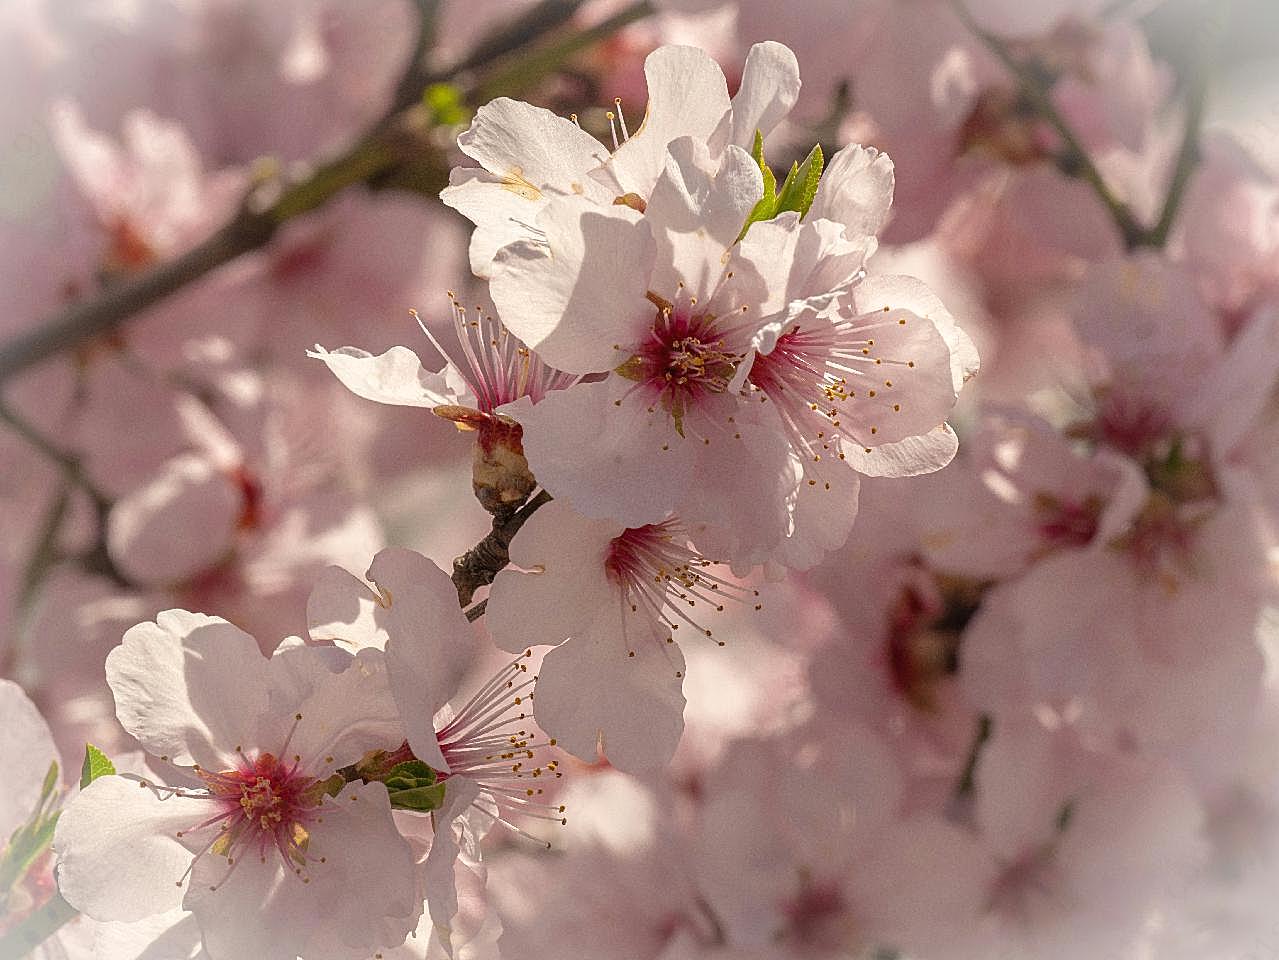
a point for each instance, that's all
(809, 683)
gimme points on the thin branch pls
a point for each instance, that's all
(478, 566)
(389, 145)
(1037, 89)
(1188, 156)
(968, 778)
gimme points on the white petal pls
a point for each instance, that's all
(556, 586)
(634, 469)
(343, 609)
(530, 146)
(575, 296)
(697, 210)
(910, 457)
(396, 377)
(360, 899)
(768, 91)
(430, 644)
(441, 886)
(172, 935)
(856, 190)
(118, 856)
(189, 687)
(591, 694)
(687, 97)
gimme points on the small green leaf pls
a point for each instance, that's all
(766, 208)
(421, 799)
(96, 764)
(800, 187)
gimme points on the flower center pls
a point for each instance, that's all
(489, 741)
(264, 803)
(1066, 523)
(659, 575)
(683, 360)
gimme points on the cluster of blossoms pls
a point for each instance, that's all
(790, 633)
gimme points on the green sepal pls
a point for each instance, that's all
(422, 799)
(408, 775)
(96, 764)
(800, 186)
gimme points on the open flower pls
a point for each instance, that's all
(481, 748)
(528, 156)
(257, 834)
(613, 600)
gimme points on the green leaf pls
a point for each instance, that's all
(766, 208)
(96, 764)
(421, 799)
(800, 186)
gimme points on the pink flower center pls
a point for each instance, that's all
(1066, 523)
(489, 741)
(264, 804)
(659, 576)
(817, 916)
(683, 361)
(496, 366)
(1131, 425)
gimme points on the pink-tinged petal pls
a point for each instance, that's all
(1013, 18)
(810, 261)
(557, 584)
(189, 687)
(907, 293)
(1239, 389)
(396, 377)
(321, 919)
(530, 147)
(345, 712)
(430, 644)
(118, 856)
(697, 210)
(1024, 776)
(769, 89)
(1163, 314)
(898, 368)
(438, 870)
(501, 215)
(856, 190)
(342, 609)
(608, 460)
(182, 522)
(26, 751)
(687, 97)
(922, 887)
(595, 699)
(910, 457)
(579, 292)
(172, 935)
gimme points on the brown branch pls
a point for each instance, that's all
(478, 566)
(392, 144)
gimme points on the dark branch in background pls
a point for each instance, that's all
(1036, 85)
(968, 778)
(395, 143)
(478, 566)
